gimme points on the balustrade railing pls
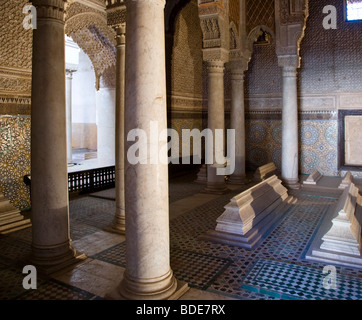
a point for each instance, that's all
(88, 180)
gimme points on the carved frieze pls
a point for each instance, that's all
(15, 80)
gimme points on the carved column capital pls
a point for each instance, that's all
(215, 54)
(145, 2)
(120, 34)
(50, 9)
(238, 66)
(289, 62)
(237, 75)
(69, 73)
(215, 66)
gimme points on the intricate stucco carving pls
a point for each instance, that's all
(84, 20)
(291, 16)
(211, 32)
(214, 22)
(115, 17)
(15, 53)
(76, 7)
(89, 29)
(16, 42)
(292, 11)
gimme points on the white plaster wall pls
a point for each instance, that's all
(84, 92)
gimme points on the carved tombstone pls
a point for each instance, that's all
(251, 215)
(313, 178)
(265, 172)
(338, 240)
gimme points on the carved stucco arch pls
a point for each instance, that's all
(253, 36)
(234, 36)
(92, 34)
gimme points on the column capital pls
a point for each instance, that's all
(148, 2)
(215, 66)
(50, 9)
(289, 61)
(238, 67)
(216, 54)
(120, 34)
(69, 73)
(237, 75)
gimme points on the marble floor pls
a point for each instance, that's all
(275, 270)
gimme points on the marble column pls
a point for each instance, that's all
(69, 75)
(119, 223)
(148, 274)
(290, 152)
(105, 108)
(216, 120)
(237, 118)
(51, 243)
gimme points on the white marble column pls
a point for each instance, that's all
(237, 123)
(119, 224)
(51, 244)
(216, 120)
(105, 108)
(290, 152)
(148, 274)
(69, 75)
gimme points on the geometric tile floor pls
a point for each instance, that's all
(211, 267)
(295, 282)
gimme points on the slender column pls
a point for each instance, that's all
(237, 117)
(290, 157)
(216, 120)
(69, 75)
(148, 274)
(105, 106)
(119, 224)
(51, 248)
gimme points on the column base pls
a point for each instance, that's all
(46, 262)
(202, 175)
(162, 288)
(215, 188)
(291, 183)
(238, 180)
(117, 226)
(182, 288)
